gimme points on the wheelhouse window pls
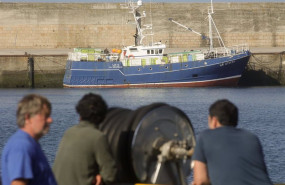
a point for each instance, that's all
(160, 51)
(152, 51)
(156, 51)
(133, 49)
(148, 52)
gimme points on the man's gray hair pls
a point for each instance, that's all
(31, 105)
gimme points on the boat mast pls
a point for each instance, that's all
(211, 26)
(210, 12)
(133, 7)
(211, 22)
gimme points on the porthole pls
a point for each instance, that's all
(150, 68)
(166, 67)
(139, 69)
(186, 65)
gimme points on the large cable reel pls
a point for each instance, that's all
(152, 144)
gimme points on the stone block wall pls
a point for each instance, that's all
(68, 25)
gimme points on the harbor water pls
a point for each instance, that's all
(262, 111)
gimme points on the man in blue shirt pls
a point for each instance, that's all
(23, 161)
(227, 155)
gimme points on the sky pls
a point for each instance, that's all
(172, 1)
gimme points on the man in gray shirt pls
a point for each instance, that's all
(227, 155)
(84, 151)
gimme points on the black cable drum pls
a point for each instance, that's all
(133, 134)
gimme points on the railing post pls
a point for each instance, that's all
(280, 68)
(31, 72)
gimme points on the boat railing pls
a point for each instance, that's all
(237, 49)
(92, 57)
(229, 51)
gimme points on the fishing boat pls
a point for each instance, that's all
(147, 65)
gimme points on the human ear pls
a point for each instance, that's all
(211, 122)
(27, 118)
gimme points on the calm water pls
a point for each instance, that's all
(262, 111)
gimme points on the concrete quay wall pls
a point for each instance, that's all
(68, 25)
(48, 71)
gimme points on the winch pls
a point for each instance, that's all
(152, 144)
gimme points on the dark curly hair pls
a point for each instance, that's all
(225, 111)
(92, 108)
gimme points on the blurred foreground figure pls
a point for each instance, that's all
(23, 161)
(84, 156)
(227, 155)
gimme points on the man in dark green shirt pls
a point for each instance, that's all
(84, 151)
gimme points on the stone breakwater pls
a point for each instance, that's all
(68, 25)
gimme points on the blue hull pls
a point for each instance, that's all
(224, 71)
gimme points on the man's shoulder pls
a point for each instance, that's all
(87, 130)
(208, 133)
(86, 127)
(21, 138)
(225, 131)
(18, 142)
(247, 133)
